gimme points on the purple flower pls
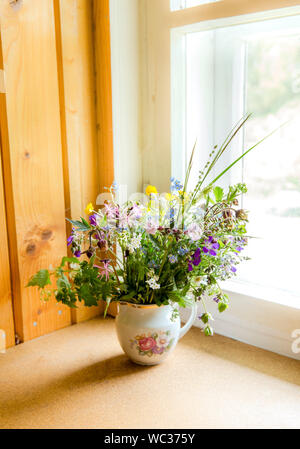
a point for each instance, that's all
(233, 269)
(93, 220)
(216, 299)
(239, 248)
(211, 245)
(196, 259)
(77, 253)
(71, 237)
(70, 240)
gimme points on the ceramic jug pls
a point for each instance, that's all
(149, 333)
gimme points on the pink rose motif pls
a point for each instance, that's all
(146, 344)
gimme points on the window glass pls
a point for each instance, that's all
(253, 68)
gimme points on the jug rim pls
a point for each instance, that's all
(140, 306)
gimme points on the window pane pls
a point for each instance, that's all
(255, 68)
(182, 4)
(272, 173)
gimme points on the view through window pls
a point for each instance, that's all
(253, 68)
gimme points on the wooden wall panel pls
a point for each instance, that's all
(102, 43)
(32, 159)
(103, 92)
(77, 88)
(6, 313)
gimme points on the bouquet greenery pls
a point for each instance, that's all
(171, 248)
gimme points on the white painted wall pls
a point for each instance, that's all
(125, 51)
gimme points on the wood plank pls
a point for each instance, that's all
(32, 160)
(77, 91)
(6, 313)
(103, 92)
(102, 43)
(7, 338)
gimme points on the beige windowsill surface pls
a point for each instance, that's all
(78, 377)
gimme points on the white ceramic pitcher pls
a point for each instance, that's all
(148, 334)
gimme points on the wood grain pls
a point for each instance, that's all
(103, 92)
(78, 112)
(6, 311)
(32, 159)
(102, 51)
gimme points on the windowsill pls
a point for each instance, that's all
(264, 293)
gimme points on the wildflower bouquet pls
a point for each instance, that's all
(169, 248)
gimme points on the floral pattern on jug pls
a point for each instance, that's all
(152, 343)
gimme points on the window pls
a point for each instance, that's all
(182, 4)
(228, 70)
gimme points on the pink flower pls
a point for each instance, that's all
(110, 210)
(146, 344)
(136, 212)
(194, 232)
(105, 270)
(151, 227)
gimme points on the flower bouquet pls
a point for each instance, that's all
(165, 250)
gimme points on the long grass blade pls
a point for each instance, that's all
(244, 154)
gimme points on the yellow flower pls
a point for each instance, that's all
(89, 209)
(168, 196)
(182, 193)
(151, 190)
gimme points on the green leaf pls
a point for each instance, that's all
(244, 154)
(222, 307)
(87, 295)
(106, 306)
(218, 192)
(129, 296)
(208, 331)
(40, 279)
(65, 260)
(79, 226)
(85, 222)
(63, 282)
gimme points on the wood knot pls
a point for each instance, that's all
(15, 4)
(46, 235)
(30, 248)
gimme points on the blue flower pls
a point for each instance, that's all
(114, 186)
(182, 251)
(176, 185)
(170, 214)
(172, 258)
(152, 264)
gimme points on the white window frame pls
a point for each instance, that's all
(261, 320)
(176, 5)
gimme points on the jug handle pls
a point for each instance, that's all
(190, 321)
